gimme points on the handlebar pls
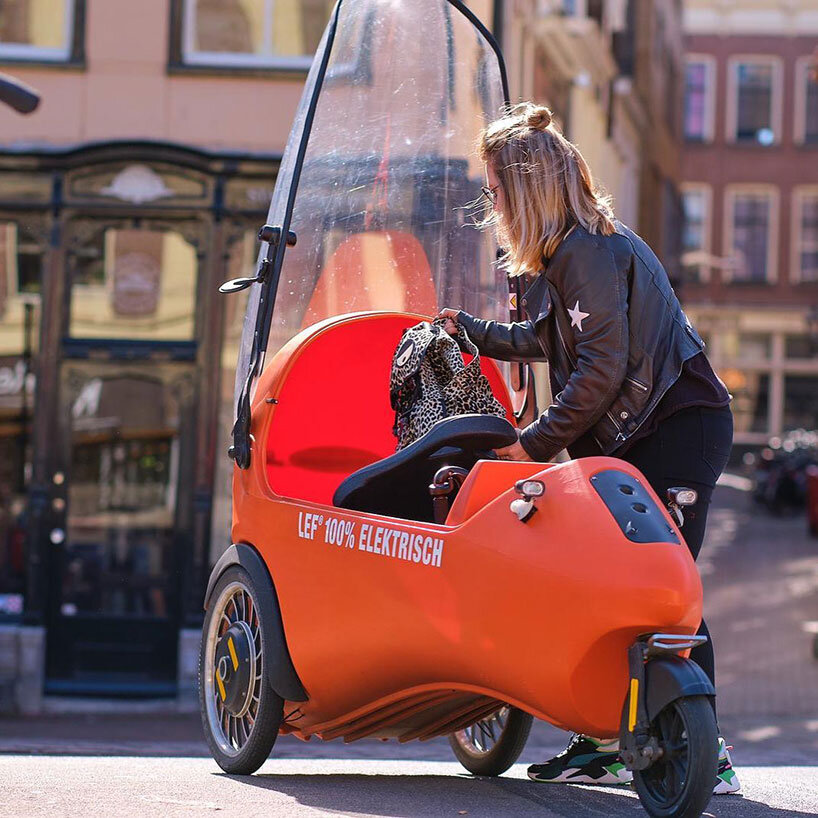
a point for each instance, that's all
(16, 94)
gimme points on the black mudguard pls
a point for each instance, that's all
(281, 673)
(668, 678)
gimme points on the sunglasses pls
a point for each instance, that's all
(491, 194)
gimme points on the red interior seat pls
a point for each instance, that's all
(333, 415)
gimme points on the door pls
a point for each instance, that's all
(117, 561)
(123, 459)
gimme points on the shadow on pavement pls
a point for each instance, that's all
(419, 796)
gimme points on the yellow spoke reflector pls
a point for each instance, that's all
(220, 683)
(232, 648)
(633, 702)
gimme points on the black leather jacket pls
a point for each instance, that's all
(604, 316)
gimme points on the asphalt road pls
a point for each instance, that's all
(112, 787)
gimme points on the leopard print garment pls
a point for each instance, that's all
(429, 381)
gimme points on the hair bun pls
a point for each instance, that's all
(538, 117)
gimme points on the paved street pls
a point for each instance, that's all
(111, 787)
(761, 590)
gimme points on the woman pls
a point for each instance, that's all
(627, 369)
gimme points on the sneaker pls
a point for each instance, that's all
(584, 761)
(726, 778)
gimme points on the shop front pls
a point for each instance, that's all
(116, 356)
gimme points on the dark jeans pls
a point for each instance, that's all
(690, 448)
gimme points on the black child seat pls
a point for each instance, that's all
(398, 485)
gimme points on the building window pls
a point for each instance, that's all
(805, 253)
(38, 29)
(253, 33)
(750, 224)
(751, 399)
(811, 107)
(133, 283)
(800, 402)
(698, 116)
(756, 101)
(696, 230)
(806, 100)
(800, 347)
(747, 346)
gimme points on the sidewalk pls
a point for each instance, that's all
(760, 576)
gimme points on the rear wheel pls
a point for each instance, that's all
(491, 745)
(680, 783)
(241, 713)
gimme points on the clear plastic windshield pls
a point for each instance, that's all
(385, 208)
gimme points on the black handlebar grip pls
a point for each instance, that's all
(18, 95)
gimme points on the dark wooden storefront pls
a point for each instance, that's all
(115, 253)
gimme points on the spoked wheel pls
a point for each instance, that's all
(240, 711)
(680, 783)
(491, 745)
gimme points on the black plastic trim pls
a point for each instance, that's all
(668, 678)
(283, 677)
(635, 511)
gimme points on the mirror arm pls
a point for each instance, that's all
(272, 235)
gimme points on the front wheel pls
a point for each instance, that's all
(241, 713)
(680, 783)
(491, 745)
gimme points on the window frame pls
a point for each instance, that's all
(73, 54)
(710, 79)
(731, 192)
(702, 269)
(182, 57)
(800, 114)
(776, 101)
(799, 194)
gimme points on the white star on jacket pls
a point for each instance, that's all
(577, 316)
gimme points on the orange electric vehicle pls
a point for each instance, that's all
(434, 591)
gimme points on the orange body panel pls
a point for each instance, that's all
(403, 628)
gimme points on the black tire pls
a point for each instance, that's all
(505, 734)
(241, 751)
(681, 785)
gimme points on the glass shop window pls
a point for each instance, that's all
(748, 346)
(36, 29)
(132, 283)
(799, 347)
(751, 399)
(253, 32)
(21, 260)
(800, 402)
(241, 261)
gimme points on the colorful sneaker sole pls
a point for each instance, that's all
(726, 783)
(615, 775)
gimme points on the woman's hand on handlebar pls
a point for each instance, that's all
(450, 317)
(514, 452)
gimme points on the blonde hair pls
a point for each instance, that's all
(547, 186)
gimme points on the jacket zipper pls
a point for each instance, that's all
(573, 363)
(562, 341)
(637, 384)
(656, 399)
(616, 425)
